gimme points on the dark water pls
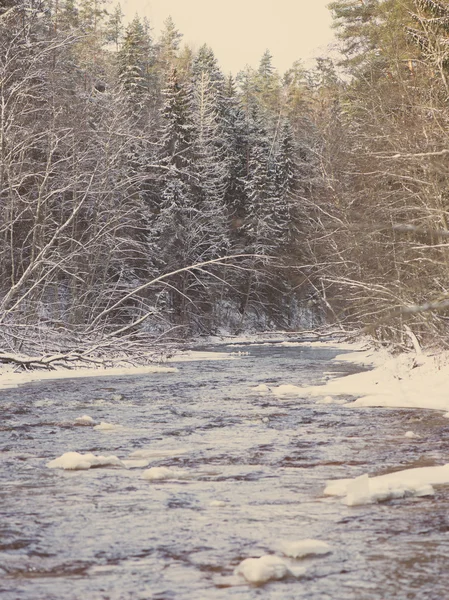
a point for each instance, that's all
(108, 534)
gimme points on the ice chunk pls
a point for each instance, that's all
(84, 420)
(74, 461)
(164, 473)
(263, 388)
(411, 434)
(287, 390)
(103, 426)
(410, 482)
(358, 491)
(263, 569)
(300, 548)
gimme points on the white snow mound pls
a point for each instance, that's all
(103, 426)
(164, 473)
(410, 482)
(84, 420)
(300, 548)
(263, 569)
(74, 461)
(411, 435)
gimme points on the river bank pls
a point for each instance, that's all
(408, 380)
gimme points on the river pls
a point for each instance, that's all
(259, 465)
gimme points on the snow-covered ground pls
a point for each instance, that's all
(404, 381)
(9, 378)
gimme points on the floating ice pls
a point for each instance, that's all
(411, 434)
(410, 482)
(84, 420)
(218, 503)
(300, 548)
(287, 390)
(261, 388)
(103, 426)
(261, 570)
(164, 473)
(74, 461)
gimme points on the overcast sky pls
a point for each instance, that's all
(239, 31)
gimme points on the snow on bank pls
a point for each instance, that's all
(74, 461)
(9, 379)
(405, 381)
(410, 482)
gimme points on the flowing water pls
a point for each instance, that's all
(259, 466)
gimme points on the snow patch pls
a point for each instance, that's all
(300, 548)
(74, 461)
(103, 426)
(330, 400)
(262, 388)
(11, 380)
(400, 382)
(411, 434)
(84, 420)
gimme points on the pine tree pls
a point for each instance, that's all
(205, 62)
(114, 27)
(268, 86)
(168, 46)
(210, 164)
(176, 132)
(135, 61)
(263, 223)
(235, 129)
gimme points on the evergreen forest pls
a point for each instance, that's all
(145, 195)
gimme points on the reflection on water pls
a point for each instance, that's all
(258, 468)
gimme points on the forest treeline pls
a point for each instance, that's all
(144, 192)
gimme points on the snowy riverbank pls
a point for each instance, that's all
(405, 381)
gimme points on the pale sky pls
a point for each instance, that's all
(239, 31)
